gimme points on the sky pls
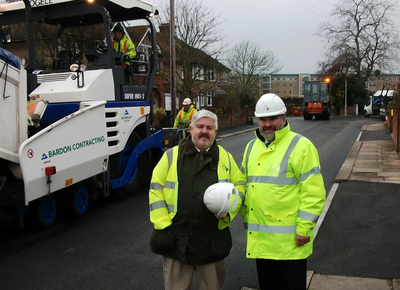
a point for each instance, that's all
(285, 27)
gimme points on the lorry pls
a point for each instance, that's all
(316, 100)
(81, 129)
(378, 103)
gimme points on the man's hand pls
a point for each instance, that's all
(301, 240)
(221, 217)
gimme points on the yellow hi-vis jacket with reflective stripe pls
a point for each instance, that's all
(163, 195)
(285, 195)
(184, 118)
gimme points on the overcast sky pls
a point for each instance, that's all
(285, 27)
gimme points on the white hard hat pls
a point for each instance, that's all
(217, 197)
(270, 105)
(186, 101)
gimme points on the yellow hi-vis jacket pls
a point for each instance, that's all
(285, 195)
(125, 46)
(183, 118)
(163, 195)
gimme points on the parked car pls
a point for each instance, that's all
(379, 100)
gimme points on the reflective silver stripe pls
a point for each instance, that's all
(248, 154)
(307, 174)
(161, 204)
(270, 229)
(170, 156)
(242, 169)
(272, 180)
(243, 183)
(171, 208)
(241, 196)
(158, 205)
(281, 179)
(308, 216)
(155, 185)
(169, 184)
(285, 159)
(224, 180)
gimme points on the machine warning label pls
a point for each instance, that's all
(30, 153)
(73, 147)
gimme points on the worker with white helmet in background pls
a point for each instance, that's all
(185, 115)
(285, 196)
(195, 191)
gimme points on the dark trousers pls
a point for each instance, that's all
(282, 274)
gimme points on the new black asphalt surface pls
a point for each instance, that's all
(360, 234)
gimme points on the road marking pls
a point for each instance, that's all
(328, 202)
(359, 136)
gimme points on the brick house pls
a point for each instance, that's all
(205, 76)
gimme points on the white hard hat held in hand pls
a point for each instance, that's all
(217, 198)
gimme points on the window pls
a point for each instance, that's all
(211, 74)
(200, 100)
(210, 96)
(198, 73)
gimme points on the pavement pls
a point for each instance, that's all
(358, 248)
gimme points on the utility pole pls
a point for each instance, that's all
(172, 57)
(345, 95)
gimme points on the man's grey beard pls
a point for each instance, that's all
(270, 139)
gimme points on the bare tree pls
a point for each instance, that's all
(248, 61)
(199, 43)
(363, 40)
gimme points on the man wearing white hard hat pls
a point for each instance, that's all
(185, 115)
(191, 223)
(285, 196)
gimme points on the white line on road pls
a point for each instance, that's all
(359, 136)
(328, 202)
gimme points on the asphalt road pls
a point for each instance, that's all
(109, 247)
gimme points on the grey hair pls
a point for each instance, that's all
(204, 113)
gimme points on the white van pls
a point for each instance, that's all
(373, 105)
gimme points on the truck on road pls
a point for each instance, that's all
(82, 129)
(316, 100)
